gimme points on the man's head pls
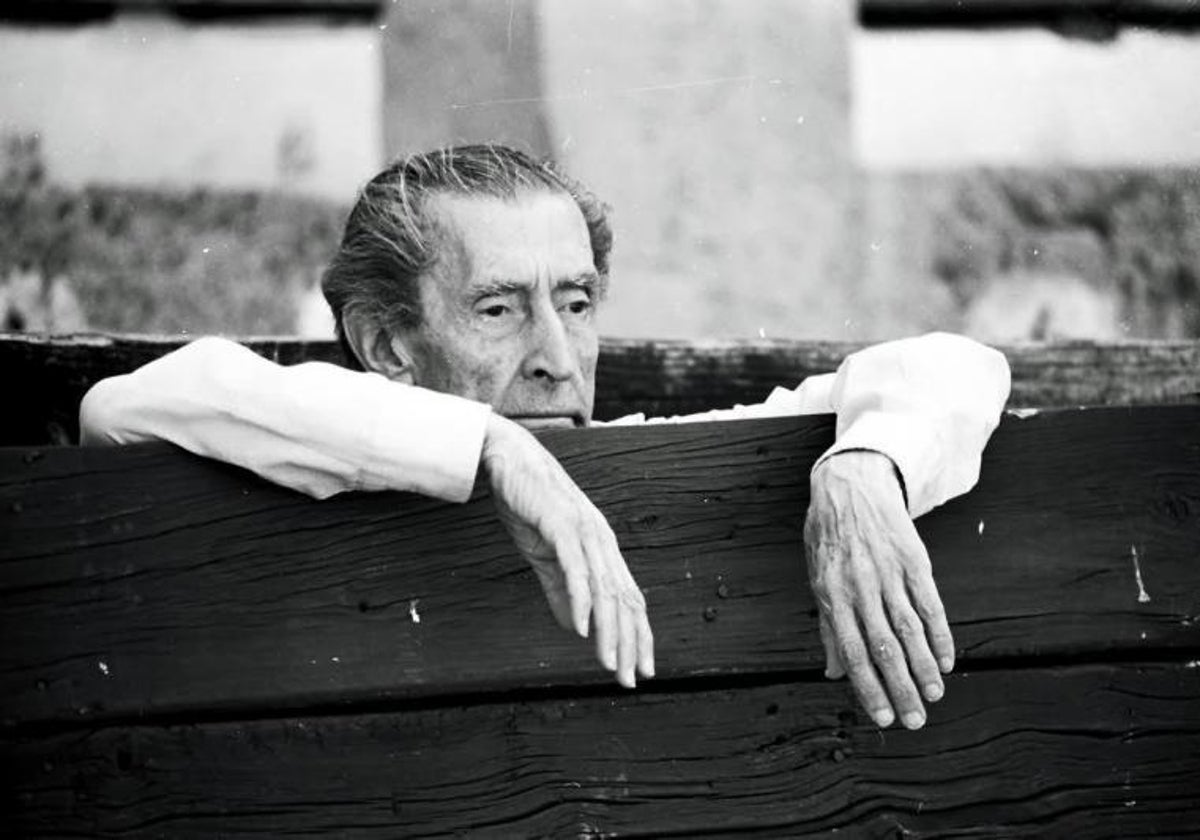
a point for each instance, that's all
(475, 271)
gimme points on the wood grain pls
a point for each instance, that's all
(1082, 752)
(145, 581)
(51, 8)
(660, 378)
(924, 13)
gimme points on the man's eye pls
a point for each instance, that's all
(495, 310)
(579, 307)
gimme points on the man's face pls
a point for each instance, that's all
(508, 310)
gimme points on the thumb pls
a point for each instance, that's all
(554, 584)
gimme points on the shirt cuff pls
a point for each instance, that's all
(910, 442)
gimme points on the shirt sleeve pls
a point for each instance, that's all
(929, 403)
(315, 427)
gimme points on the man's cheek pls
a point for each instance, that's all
(484, 380)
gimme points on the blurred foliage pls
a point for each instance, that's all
(1134, 234)
(172, 261)
(160, 260)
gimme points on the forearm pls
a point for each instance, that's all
(315, 427)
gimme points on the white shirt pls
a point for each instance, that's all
(929, 404)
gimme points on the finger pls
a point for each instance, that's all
(928, 603)
(911, 632)
(645, 645)
(888, 656)
(854, 656)
(834, 670)
(634, 600)
(626, 646)
(604, 619)
(574, 569)
(604, 601)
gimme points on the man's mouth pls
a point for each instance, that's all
(547, 421)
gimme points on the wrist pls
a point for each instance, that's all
(860, 468)
(499, 435)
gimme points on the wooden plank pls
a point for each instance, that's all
(144, 581)
(1083, 751)
(661, 378)
(974, 13)
(75, 12)
(290, 5)
(53, 374)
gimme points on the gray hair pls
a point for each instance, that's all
(390, 239)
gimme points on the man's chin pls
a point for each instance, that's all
(547, 421)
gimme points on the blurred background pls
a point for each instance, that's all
(822, 169)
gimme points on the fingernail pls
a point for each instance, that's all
(610, 660)
(933, 692)
(914, 720)
(883, 718)
(946, 664)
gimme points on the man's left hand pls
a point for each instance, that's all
(882, 621)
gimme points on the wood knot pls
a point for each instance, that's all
(644, 522)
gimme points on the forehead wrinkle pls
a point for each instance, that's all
(454, 254)
(451, 254)
(487, 288)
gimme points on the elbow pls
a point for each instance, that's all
(108, 413)
(100, 413)
(986, 362)
(994, 369)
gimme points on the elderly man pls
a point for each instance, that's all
(466, 288)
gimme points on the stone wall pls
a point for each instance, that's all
(719, 131)
(463, 71)
(148, 100)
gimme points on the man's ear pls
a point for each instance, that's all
(378, 349)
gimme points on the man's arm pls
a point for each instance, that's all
(913, 417)
(929, 405)
(322, 429)
(315, 427)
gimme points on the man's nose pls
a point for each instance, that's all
(549, 358)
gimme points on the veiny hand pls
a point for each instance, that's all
(881, 618)
(571, 547)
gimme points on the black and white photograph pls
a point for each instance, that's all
(600, 418)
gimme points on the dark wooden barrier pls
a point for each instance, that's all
(87, 11)
(661, 378)
(1070, 15)
(190, 651)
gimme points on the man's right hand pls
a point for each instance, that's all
(571, 548)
